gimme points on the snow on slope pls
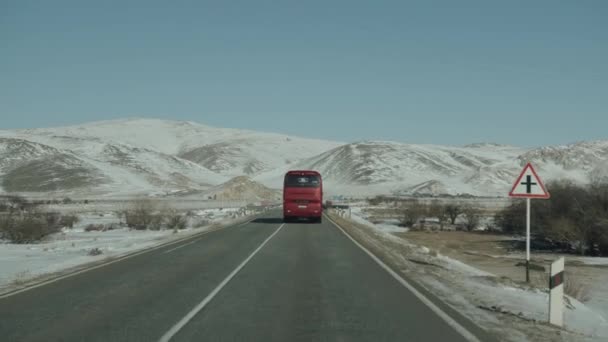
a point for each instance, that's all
(375, 167)
(255, 153)
(389, 166)
(229, 152)
(34, 167)
(163, 136)
(575, 161)
(147, 155)
(89, 165)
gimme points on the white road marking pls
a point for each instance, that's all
(179, 325)
(442, 314)
(178, 247)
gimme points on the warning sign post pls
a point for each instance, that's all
(528, 185)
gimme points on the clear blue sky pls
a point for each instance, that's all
(448, 72)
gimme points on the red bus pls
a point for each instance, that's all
(303, 196)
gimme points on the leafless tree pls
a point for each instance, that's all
(471, 217)
(453, 210)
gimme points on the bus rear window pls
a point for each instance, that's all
(306, 181)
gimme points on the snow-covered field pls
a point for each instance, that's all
(114, 205)
(507, 306)
(389, 226)
(20, 264)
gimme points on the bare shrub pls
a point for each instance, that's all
(157, 222)
(122, 215)
(471, 217)
(13, 204)
(412, 213)
(376, 220)
(574, 219)
(16, 203)
(94, 228)
(141, 215)
(376, 200)
(201, 223)
(69, 220)
(453, 211)
(176, 221)
(27, 227)
(439, 211)
(95, 251)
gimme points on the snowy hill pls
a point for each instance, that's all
(147, 156)
(368, 168)
(32, 167)
(143, 156)
(228, 152)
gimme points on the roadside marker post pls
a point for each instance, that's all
(556, 294)
(531, 187)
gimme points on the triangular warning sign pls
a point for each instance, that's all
(529, 185)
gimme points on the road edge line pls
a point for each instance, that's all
(200, 306)
(182, 246)
(464, 332)
(111, 261)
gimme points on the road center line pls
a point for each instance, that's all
(442, 314)
(184, 245)
(179, 325)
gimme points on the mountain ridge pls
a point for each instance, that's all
(139, 156)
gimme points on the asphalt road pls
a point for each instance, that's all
(261, 281)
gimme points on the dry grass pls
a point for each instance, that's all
(21, 278)
(201, 223)
(539, 279)
(575, 288)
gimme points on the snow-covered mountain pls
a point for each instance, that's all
(32, 167)
(142, 156)
(134, 156)
(367, 168)
(228, 152)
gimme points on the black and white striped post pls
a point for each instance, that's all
(556, 296)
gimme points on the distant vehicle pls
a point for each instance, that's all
(303, 196)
